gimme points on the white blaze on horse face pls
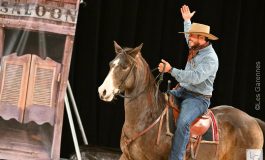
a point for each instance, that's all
(107, 89)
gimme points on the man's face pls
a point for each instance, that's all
(194, 40)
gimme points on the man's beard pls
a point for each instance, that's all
(195, 45)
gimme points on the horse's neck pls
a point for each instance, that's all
(142, 110)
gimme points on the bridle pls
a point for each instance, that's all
(160, 118)
(133, 61)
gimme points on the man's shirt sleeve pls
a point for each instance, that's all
(187, 25)
(197, 75)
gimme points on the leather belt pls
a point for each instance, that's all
(198, 94)
(194, 93)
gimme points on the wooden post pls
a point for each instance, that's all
(2, 40)
(62, 90)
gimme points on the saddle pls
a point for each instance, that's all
(198, 127)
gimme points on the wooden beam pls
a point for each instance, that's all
(37, 26)
(2, 40)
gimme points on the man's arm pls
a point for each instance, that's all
(207, 67)
(186, 15)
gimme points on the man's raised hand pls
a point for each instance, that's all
(185, 11)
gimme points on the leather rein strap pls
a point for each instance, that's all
(160, 118)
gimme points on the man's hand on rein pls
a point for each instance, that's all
(167, 66)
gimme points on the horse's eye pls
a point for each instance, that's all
(124, 67)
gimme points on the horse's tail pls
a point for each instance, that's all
(262, 125)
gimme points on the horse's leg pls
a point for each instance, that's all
(124, 149)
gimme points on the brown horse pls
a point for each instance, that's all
(130, 73)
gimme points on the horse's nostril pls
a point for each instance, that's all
(104, 92)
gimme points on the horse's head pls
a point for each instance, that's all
(121, 73)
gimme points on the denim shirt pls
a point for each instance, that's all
(200, 72)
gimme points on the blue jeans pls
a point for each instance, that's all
(191, 107)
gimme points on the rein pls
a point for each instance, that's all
(161, 78)
(160, 118)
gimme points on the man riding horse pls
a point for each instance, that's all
(195, 82)
(144, 135)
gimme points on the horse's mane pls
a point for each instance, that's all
(144, 69)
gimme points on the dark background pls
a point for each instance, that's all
(238, 23)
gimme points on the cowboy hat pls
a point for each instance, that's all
(201, 29)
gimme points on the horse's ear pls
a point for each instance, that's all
(136, 50)
(118, 48)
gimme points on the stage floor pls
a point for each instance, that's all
(24, 141)
(90, 152)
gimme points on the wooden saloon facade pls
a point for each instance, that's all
(36, 41)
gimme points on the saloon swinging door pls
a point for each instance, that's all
(28, 88)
